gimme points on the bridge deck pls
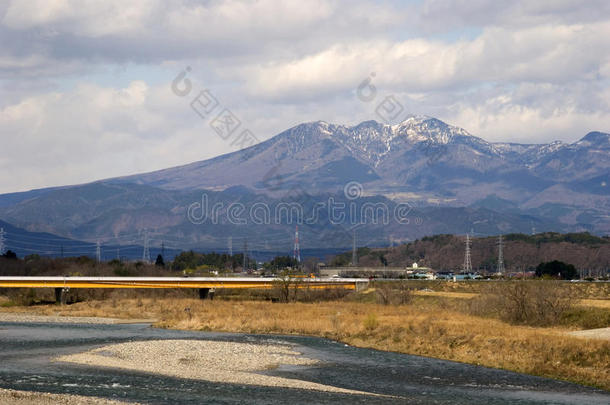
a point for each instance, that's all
(172, 282)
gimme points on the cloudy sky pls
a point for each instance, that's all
(86, 86)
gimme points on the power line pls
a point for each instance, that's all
(46, 242)
(46, 238)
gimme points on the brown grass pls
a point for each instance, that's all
(595, 303)
(446, 294)
(430, 326)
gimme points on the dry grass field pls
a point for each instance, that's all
(434, 325)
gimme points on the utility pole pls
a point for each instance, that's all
(354, 252)
(500, 269)
(98, 251)
(245, 255)
(230, 246)
(467, 262)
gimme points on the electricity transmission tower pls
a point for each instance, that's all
(354, 253)
(98, 251)
(500, 269)
(297, 248)
(146, 251)
(467, 262)
(245, 263)
(2, 240)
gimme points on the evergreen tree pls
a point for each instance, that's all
(557, 269)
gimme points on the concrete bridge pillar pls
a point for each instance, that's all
(206, 293)
(60, 295)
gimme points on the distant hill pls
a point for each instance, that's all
(521, 252)
(119, 214)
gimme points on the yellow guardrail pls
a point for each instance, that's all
(174, 282)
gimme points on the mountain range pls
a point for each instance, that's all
(444, 180)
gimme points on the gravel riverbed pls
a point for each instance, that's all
(216, 361)
(24, 317)
(20, 317)
(14, 397)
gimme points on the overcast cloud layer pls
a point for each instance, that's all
(85, 86)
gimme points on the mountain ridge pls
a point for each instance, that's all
(422, 162)
(372, 144)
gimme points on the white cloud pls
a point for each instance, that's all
(503, 119)
(80, 17)
(522, 71)
(94, 132)
(549, 54)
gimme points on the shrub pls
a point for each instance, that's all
(525, 302)
(586, 318)
(393, 293)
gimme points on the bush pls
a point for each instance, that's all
(286, 287)
(393, 293)
(586, 318)
(525, 302)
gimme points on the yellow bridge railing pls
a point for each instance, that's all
(175, 282)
